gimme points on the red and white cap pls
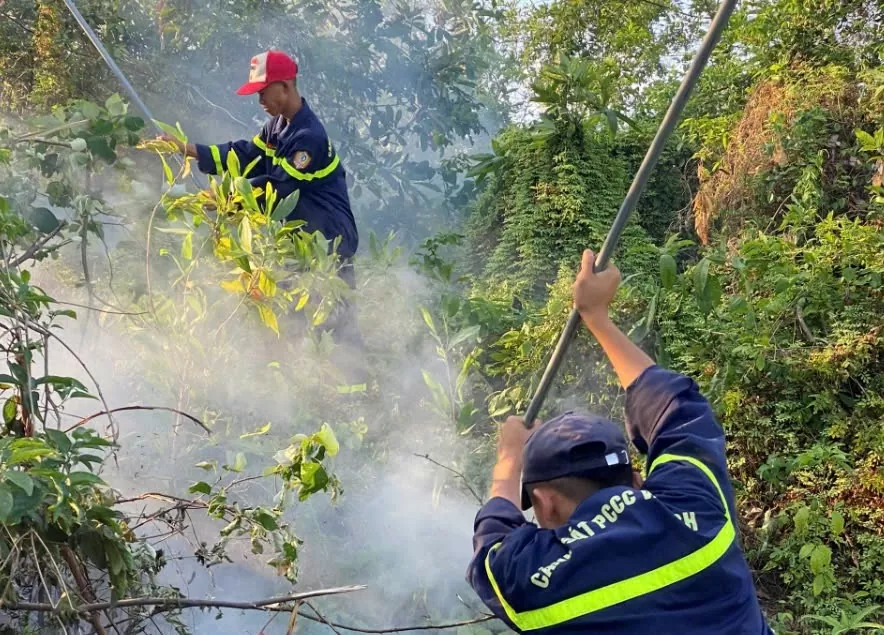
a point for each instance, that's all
(266, 68)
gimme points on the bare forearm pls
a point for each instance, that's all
(628, 360)
(505, 479)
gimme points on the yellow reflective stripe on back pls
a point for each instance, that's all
(216, 155)
(270, 152)
(633, 587)
(306, 176)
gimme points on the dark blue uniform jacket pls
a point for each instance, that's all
(658, 560)
(295, 155)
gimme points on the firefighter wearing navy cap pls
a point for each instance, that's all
(613, 554)
(292, 152)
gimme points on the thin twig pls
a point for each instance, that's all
(268, 623)
(58, 573)
(92, 308)
(76, 569)
(17, 23)
(64, 126)
(214, 105)
(322, 619)
(799, 315)
(60, 144)
(403, 629)
(30, 251)
(246, 479)
(129, 408)
(160, 496)
(39, 568)
(40, 329)
(147, 280)
(455, 472)
(169, 604)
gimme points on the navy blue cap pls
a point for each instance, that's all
(572, 444)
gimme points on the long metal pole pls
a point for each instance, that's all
(96, 42)
(725, 9)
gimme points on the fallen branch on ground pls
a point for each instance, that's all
(169, 604)
(128, 408)
(400, 629)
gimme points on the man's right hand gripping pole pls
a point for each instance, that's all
(593, 293)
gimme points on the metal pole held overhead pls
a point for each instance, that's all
(725, 9)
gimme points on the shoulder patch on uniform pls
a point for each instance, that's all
(301, 159)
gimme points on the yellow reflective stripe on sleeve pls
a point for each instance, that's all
(216, 155)
(270, 152)
(633, 587)
(306, 176)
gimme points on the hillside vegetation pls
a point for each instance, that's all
(753, 263)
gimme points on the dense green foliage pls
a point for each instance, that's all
(396, 86)
(778, 318)
(754, 264)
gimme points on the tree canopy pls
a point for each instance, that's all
(175, 408)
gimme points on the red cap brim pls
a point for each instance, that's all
(252, 87)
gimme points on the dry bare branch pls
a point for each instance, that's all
(403, 629)
(30, 251)
(130, 408)
(168, 604)
(456, 473)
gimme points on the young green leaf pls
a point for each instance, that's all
(170, 177)
(84, 478)
(59, 439)
(801, 519)
(21, 480)
(245, 234)
(286, 206)
(171, 130)
(668, 273)
(701, 274)
(10, 410)
(820, 559)
(837, 523)
(244, 187)
(257, 433)
(27, 455)
(326, 437)
(428, 319)
(469, 333)
(233, 166)
(6, 502)
(818, 585)
(268, 317)
(200, 488)
(266, 520)
(115, 106)
(187, 247)
(866, 140)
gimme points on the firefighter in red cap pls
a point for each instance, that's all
(293, 152)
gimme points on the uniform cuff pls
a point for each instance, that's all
(501, 509)
(206, 160)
